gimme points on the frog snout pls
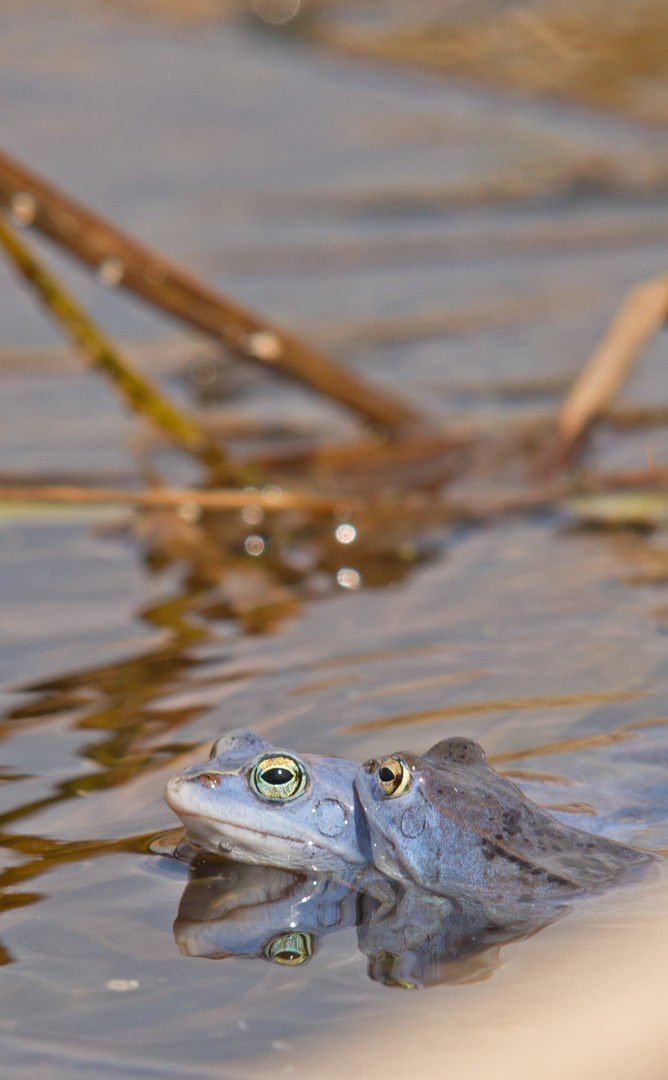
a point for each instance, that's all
(172, 788)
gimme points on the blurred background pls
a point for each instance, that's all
(450, 201)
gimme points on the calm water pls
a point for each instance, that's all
(546, 643)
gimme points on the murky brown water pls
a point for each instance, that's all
(323, 193)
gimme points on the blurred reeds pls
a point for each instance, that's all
(611, 53)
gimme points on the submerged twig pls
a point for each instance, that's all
(271, 498)
(641, 315)
(139, 392)
(119, 260)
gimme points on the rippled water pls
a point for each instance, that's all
(544, 642)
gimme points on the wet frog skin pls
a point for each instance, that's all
(259, 804)
(447, 821)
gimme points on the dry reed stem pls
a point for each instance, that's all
(139, 393)
(121, 261)
(641, 315)
(213, 499)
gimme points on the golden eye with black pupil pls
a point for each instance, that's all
(393, 778)
(289, 949)
(278, 777)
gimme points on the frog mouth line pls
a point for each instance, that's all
(241, 828)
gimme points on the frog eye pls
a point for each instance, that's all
(289, 949)
(393, 777)
(278, 777)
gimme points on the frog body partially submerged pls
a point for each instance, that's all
(259, 804)
(444, 821)
(447, 821)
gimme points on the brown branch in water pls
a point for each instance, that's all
(271, 498)
(641, 315)
(642, 479)
(119, 260)
(139, 393)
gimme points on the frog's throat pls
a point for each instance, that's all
(218, 826)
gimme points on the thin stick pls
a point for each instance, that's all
(641, 315)
(271, 498)
(139, 393)
(120, 260)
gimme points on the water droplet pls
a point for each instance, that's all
(276, 11)
(342, 511)
(265, 345)
(122, 984)
(348, 578)
(345, 534)
(22, 207)
(272, 493)
(254, 545)
(252, 515)
(189, 511)
(110, 272)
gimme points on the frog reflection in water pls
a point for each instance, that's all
(237, 909)
(463, 860)
(259, 804)
(412, 939)
(449, 823)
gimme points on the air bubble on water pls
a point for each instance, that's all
(120, 985)
(252, 515)
(264, 345)
(342, 512)
(189, 511)
(348, 578)
(254, 545)
(111, 271)
(22, 207)
(272, 493)
(276, 12)
(345, 534)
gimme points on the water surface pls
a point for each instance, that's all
(545, 643)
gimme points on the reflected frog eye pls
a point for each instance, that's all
(289, 949)
(278, 777)
(393, 778)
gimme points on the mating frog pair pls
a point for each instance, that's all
(445, 821)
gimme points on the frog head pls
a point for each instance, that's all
(447, 821)
(258, 803)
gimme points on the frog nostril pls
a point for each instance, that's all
(208, 779)
(370, 766)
